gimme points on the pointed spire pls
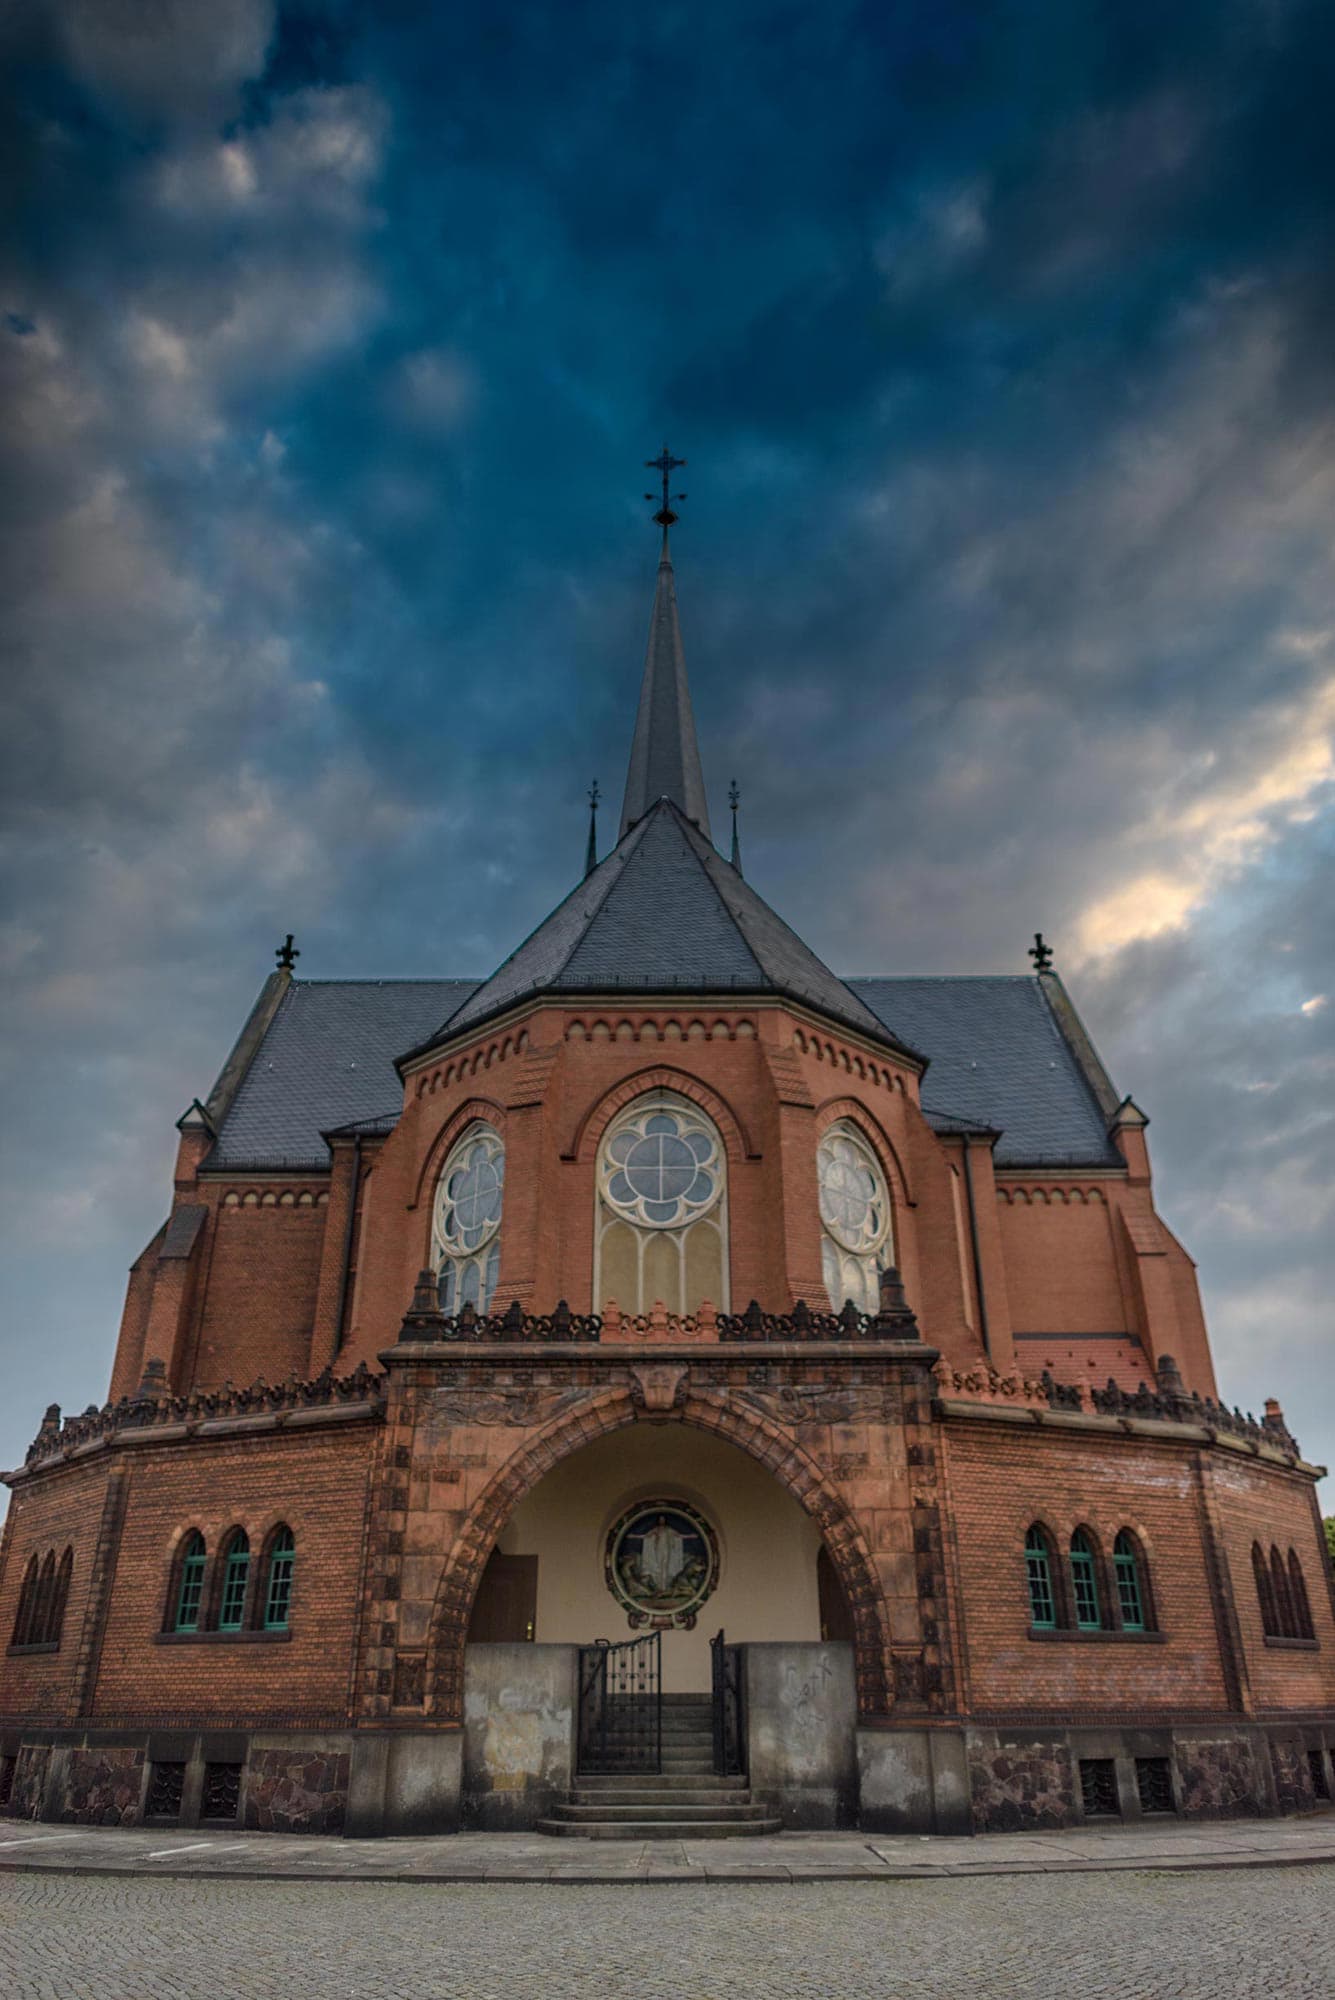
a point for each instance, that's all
(734, 800)
(664, 756)
(591, 853)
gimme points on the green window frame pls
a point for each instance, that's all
(278, 1585)
(1085, 1583)
(236, 1574)
(1038, 1571)
(190, 1590)
(1126, 1571)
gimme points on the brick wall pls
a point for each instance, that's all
(64, 1510)
(1255, 1505)
(260, 1290)
(1000, 1479)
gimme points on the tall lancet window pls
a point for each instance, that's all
(855, 1242)
(661, 1231)
(466, 1224)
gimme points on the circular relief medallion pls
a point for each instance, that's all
(661, 1563)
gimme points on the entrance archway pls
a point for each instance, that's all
(796, 1478)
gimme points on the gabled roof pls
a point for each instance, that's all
(999, 1061)
(665, 910)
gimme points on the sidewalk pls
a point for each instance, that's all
(785, 1857)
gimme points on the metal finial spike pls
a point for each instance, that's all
(287, 954)
(591, 852)
(734, 800)
(1040, 953)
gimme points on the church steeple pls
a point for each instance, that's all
(664, 756)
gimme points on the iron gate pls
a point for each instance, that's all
(621, 1705)
(729, 1733)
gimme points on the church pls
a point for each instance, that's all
(663, 1388)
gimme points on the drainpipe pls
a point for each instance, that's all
(977, 1254)
(351, 1224)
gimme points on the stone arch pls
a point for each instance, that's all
(486, 1109)
(595, 1121)
(610, 1410)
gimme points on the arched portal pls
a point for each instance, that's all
(764, 1496)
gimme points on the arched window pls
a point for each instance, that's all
(661, 1230)
(190, 1588)
(1279, 1580)
(1132, 1585)
(235, 1576)
(27, 1605)
(278, 1580)
(56, 1623)
(1265, 1593)
(45, 1601)
(1302, 1610)
(1038, 1570)
(855, 1244)
(1085, 1582)
(466, 1220)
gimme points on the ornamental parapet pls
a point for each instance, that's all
(152, 1414)
(425, 1322)
(1168, 1402)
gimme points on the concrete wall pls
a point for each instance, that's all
(519, 1733)
(767, 1545)
(801, 1719)
(913, 1781)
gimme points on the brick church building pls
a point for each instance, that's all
(663, 1387)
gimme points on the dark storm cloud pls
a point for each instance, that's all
(998, 338)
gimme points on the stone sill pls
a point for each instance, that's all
(1067, 1634)
(1271, 1639)
(244, 1638)
(43, 1646)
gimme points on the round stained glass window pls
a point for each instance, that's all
(662, 1165)
(854, 1205)
(471, 1189)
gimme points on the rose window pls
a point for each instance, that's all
(467, 1220)
(855, 1218)
(662, 1169)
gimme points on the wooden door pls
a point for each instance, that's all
(836, 1615)
(506, 1606)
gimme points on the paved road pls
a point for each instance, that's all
(1266, 1932)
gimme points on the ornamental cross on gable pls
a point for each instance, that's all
(665, 465)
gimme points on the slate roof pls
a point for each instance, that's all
(999, 1060)
(326, 1061)
(665, 909)
(664, 754)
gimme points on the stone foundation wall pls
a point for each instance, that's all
(102, 1787)
(1020, 1783)
(1223, 1777)
(295, 1788)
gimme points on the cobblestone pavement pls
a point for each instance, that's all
(1119, 1936)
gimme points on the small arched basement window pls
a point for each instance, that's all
(1038, 1573)
(661, 1229)
(1085, 1582)
(235, 1577)
(190, 1587)
(466, 1221)
(278, 1579)
(855, 1243)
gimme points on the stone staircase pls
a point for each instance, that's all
(685, 1800)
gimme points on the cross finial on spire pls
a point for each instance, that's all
(665, 465)
(591, 856)
(287, 954)
(1041, 953)
(734, 800)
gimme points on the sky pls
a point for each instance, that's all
(998, 340)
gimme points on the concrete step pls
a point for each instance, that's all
(686, 1797)
(658, 1829)
(644, 1814)
(616, 1782)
